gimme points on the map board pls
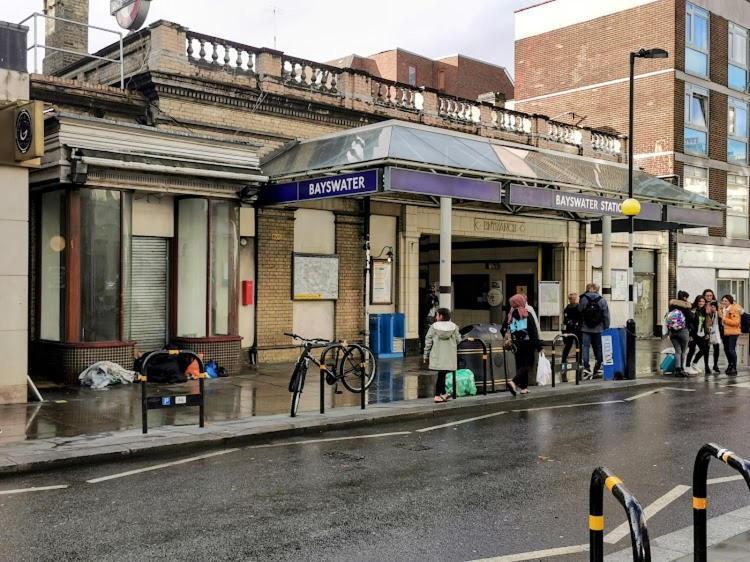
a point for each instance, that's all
(549, 298)
(315, 277)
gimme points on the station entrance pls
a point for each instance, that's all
(485, 274)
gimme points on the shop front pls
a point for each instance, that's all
(134, 246)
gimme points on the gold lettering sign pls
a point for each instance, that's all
(499, 226)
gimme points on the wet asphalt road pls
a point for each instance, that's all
(511, 483)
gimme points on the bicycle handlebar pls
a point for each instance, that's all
(315, 341)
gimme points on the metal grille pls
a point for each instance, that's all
(148, 324)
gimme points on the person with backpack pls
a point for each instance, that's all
(594, 320)
(441, 350)
(676, 322)
(731, 318)
(522, 336)
(571, 325)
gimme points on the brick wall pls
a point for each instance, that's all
(719, 58)
(64, 35)
(468, 78)
(717, 132)
(717, 190)
(350, 306)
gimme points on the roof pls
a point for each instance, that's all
(417, 146)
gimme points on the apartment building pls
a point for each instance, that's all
(691, 113)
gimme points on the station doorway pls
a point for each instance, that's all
(485, 274)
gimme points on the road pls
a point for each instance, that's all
(448, 488)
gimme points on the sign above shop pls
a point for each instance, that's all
(346, 185)
(544, 198)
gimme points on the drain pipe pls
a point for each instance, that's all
(368, 265)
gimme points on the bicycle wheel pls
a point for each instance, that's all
(296, 385)
(356, 359)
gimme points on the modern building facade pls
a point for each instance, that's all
(691, 116)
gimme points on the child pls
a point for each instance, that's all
(441, 350)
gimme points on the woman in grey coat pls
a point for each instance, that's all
(441, 350)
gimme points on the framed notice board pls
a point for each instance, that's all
(315, 277)
(381, 284)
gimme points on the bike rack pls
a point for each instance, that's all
(324, 368)
(578, 356)
(602, 477)
(474, 350)
(171, 401)
(700, 491)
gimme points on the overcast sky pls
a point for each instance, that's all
(322, 30)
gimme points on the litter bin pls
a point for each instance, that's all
(499, 360)
(613, 354)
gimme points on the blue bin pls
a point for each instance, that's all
(613, 353)
(387, 335)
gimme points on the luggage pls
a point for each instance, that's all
(668, 363)
(465, 385)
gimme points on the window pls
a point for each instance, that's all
(696, 120)
(412, 76)
(224, 251)
(696, 40)
(735, 287)
(192, 259)
(737, 206)
(52, 266)
(695, 180)
(737, 129)
(737, 57)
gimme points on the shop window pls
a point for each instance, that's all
(192, 264)
(412, 76)
(52, 266)
(224, 250)
(737, 128)
(738, 52)
(695, 180)
(735, 287)
(737, 206)
(696, 120)
(696, 40)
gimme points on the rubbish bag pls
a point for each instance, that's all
(105, 373)
(465, 385)
(543, 370)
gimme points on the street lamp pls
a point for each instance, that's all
(631, 207)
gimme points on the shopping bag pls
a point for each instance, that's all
(465, 385)
(668, 363)
(543, 370)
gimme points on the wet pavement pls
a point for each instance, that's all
(461, 487)
(258, 391)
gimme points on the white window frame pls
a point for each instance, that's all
(692, 90)
(698, 172)
(735, 29)
(732, 135)
(691, 12)
(739, 181)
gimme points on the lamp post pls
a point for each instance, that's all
(631, 207)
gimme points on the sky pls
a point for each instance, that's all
(323, 30)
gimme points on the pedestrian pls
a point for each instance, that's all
(700, 334)
(594, 320)
(677, 322)
(716, 328)
(731, 318)
(571, 326)
(522, 336)
(441, 350)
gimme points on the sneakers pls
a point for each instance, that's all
(587, 375)
(691, 370)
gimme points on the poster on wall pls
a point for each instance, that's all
(619, 285)
(315, 277)
(382, 282)
(549, 298)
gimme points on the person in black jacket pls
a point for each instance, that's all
(524, 335)
(571, 325)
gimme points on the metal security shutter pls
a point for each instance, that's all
(148, 324)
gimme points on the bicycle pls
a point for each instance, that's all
(339, 361)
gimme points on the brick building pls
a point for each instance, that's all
(455, 75)
(166, 171)
(691, 116)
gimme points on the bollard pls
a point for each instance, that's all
(363, 390)
(552, 362)
(602, 477)
(700, 491)
(322, 390)
(630, 351)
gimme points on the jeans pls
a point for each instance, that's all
(592, 339)
(680, 342)
(440, 383)
(730, 350)
(570, 341)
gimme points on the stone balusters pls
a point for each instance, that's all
(465, 111)
(512, 121)
(605, 142)
(310, 75)
(563, 133)
(400, 96)
(219, 53)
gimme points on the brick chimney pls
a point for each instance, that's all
(64, 35)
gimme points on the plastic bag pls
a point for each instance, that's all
(543, 370)
(105, 373)
(465, 385)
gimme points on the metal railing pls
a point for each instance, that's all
(36, 45)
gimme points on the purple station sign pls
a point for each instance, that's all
(543, 198)
(345, 185)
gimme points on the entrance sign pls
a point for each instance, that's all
(382, 282)
(346, 185)
(544, 198)
(315, 277)
(549, 298)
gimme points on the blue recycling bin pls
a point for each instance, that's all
(613, 354)
(387, 335)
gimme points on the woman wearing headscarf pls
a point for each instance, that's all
(521, 330)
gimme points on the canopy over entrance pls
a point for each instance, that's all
(409, 160)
